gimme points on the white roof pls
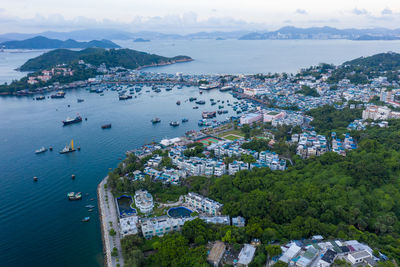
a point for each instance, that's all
(290, 253)
(246, 254)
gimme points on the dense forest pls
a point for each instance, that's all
(127, 58)
(352, 197)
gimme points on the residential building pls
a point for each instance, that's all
(203, 204)
(128, 225)
(246, 255)
(144, 201)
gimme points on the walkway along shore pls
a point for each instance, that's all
(108, 213)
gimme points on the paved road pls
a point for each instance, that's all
(108, 213)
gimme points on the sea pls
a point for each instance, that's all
(38, 225)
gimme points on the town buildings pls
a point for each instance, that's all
(203, 204)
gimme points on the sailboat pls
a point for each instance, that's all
(68, 148)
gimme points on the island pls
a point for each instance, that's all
(40, 42)
(141, 40)
(58, 68)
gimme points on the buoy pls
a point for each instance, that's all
(73, 176)
(35, 179)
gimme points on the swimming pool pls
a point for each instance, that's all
(179, 212)
(124, 206)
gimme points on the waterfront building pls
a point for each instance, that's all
(203, 204)
(144, 201)
(128, 225)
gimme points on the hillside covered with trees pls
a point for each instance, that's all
(127, 58)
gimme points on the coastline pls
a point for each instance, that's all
(103, 226)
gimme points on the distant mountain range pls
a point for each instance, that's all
(288, 32)
(325, 33)
(40, 42)
(127, 58)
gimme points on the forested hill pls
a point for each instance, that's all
(127, 58)
(360, 70)
(40, 42)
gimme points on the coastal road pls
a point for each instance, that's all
(108, 213)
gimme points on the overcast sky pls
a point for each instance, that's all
(184, 16)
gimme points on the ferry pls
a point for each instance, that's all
(69, 121)
(156, 120)
(59, 94)
(174, 123)
(68, 148)
(41, 97)
(41, 150)
(106, 126)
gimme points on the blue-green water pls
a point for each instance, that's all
(38, 225)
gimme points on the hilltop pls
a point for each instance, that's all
(41, 42)
(127, 58)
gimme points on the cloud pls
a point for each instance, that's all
(301, 11)
(387, 11)
(357, 11)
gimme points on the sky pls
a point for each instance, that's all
(186, 16)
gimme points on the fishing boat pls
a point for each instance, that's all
(184, 120)
(69, 120)
(106, 126)
(79, 100)
(40, 150)
(86, 219)
(155, 120)
(41, 97)
(200, 102)
(68, 148)
(174, 123)
(208, 115)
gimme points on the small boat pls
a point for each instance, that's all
(155, 120)
(192, 99)
(86, 219)
(90, 210)
(174, 123)
(74, 196)
(51, 148)
(195, 107)
(69, 121)
(59, 94)
(41, 150)
(200, 102)
(68, 148)
(124, 97)
(89, 206)
(35, 179)
(178, 102)
(41, 97)
(79, 100)
(106, 126)
(184, 120)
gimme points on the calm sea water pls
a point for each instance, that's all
(39, 226)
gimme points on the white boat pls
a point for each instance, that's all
(41, 150)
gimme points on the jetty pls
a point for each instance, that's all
(108, 213)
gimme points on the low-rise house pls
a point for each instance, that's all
(238, 221)
(358, 257)
(128, 225)
(246, 255)
(216, 253)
